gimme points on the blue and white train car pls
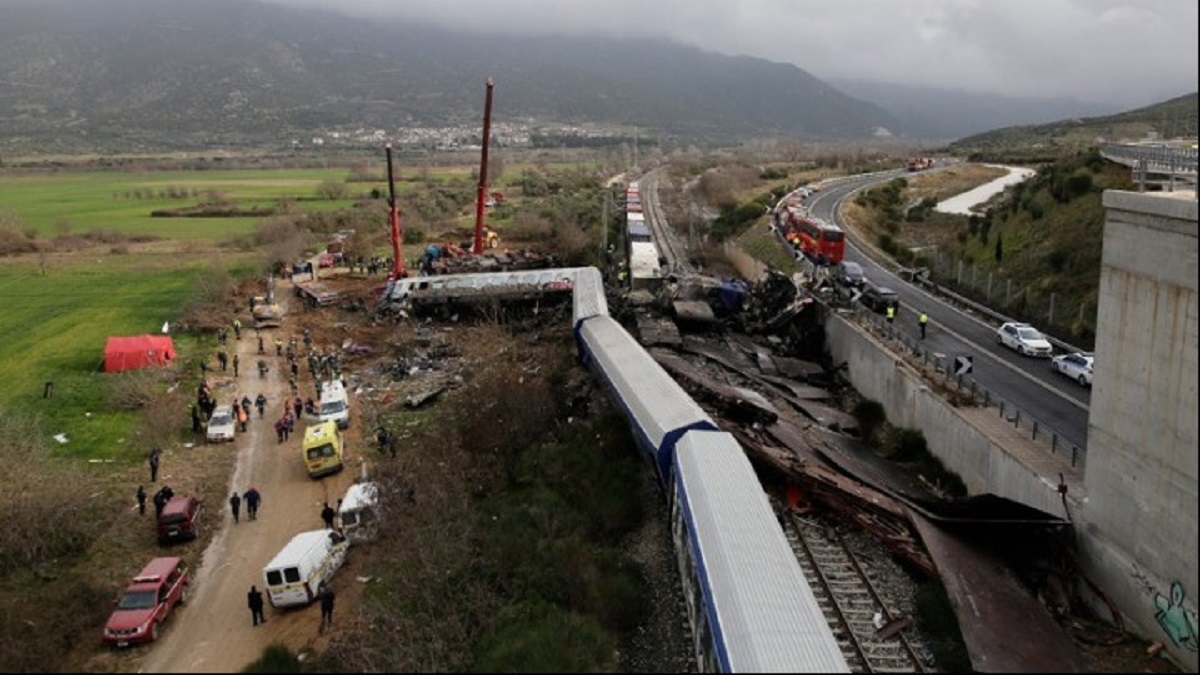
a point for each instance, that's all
(659, 410)
(751, 608)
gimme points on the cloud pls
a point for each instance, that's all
(1112, 52)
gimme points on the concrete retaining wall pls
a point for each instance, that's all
(966, 440)
(1136, 507)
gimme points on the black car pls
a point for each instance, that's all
(879, 298)
(850, 274)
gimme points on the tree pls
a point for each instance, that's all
(332, 189)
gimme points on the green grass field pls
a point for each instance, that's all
(56, 326)
(52, 203)
(57, 310)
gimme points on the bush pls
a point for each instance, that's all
(538, 637)
(276, 658)
(871, 418)
(910, 446)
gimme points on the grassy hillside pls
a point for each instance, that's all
(1034, 254)
(1175, 118)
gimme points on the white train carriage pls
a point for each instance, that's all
(659, 410)
(751, 608)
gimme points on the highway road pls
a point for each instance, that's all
(1024, 382)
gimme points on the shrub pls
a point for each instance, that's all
(871, 418)
(276, 658)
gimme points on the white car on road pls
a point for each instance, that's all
(1077, 366)
(221, 424)
(1024, 338)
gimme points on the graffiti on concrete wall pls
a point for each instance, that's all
(1176, 620)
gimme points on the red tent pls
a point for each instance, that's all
(138, 351)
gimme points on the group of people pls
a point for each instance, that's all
(922, 319)
(202, 410)
(253, 500)
(161, 498)
(285, 425)
(325, 596)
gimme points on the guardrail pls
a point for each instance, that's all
(978, 394)
(967, 386)
(1147, 160)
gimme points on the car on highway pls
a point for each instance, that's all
(1076, 365)
(850, 273)
(1025, 339)
(147, 602)
(879, 298)
(221, 425)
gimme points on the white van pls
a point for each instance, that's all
(296, 573)
(357, 516)
(334, 404)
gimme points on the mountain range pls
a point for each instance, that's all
(143, 75)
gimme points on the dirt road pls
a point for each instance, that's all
(213, 633)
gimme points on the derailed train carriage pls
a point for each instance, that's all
(750, 607)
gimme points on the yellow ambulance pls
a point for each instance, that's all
(323, 449)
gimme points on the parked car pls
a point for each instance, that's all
(180, 519)
(147, 602)
(1076, 365)
(221, 425)
(1025, 339)
(879, 298)
(850, 273)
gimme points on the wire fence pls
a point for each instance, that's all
(1067, 318)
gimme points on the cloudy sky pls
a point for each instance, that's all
(1124, 53)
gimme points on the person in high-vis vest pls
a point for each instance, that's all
(891, 314)
(923, 321)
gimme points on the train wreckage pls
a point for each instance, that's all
(752, 355)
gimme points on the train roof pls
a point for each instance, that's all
(659, 407)
(638, 227)
(761, 602)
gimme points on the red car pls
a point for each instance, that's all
(147, 601)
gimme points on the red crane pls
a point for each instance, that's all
(481, 194)
(397, 235)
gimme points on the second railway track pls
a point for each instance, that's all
(849, 598)
(669, 246)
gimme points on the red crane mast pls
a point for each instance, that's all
(481, 194)
(397, 235)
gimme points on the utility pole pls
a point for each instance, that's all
(604, 219)
(635, 149)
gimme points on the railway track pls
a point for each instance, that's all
(849, 598)
(669, 246)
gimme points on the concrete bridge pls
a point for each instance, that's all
(1167, 166)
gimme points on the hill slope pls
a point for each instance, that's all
(1174, 118)
(170, 73)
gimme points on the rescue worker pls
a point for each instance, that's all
(891, 314)
(923, 321)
